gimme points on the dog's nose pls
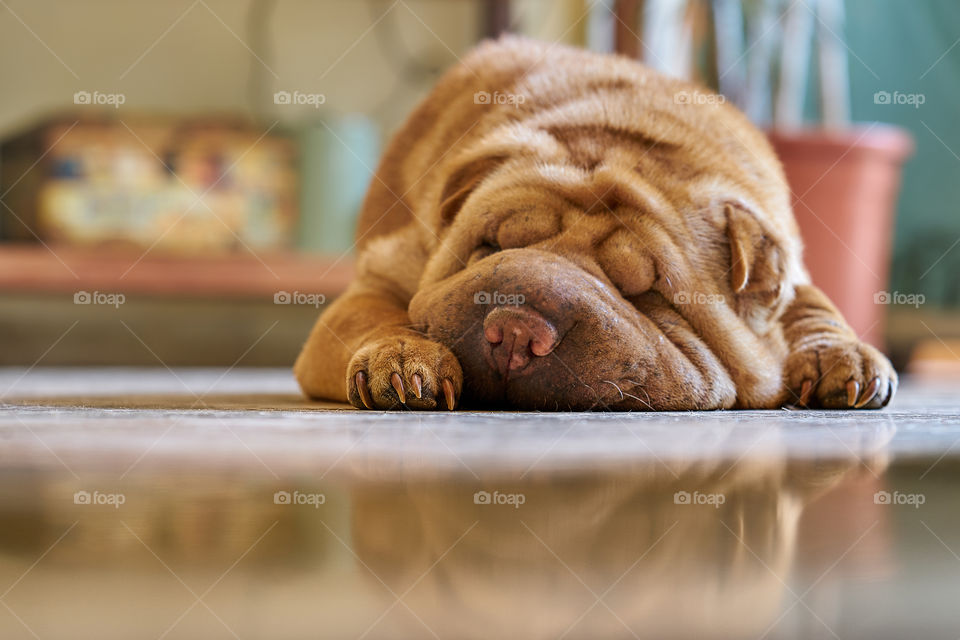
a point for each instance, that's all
(516, 335)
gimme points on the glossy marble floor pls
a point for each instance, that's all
(204, 504)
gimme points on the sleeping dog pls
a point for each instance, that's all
(554, 229)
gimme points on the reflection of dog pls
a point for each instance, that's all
(651, 240)
(665, 569)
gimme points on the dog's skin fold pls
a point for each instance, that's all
(560, 230)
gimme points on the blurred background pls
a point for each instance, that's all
(179, 180)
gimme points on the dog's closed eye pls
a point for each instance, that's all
(486, 248)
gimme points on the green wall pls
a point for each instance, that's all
(898, 43)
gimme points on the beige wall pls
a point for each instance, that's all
(193, 55)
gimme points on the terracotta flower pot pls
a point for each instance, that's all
(845, 186)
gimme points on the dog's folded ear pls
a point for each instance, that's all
(756, 260)
(463, 181)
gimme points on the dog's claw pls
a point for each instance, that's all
(417, 383)
(869, 393)
(448, 393)
(398, 386)
(361, 380)
(805, 390)
(888, 396)
(853, 392)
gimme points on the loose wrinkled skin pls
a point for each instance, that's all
(602, 238)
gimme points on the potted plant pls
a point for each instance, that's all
(845, 176)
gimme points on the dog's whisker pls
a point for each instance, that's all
(615, 387)
(646, 404)
(641, 388)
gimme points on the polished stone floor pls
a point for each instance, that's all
(199, 503)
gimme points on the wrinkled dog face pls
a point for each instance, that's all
(553, 298)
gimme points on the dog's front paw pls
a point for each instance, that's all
(835, 373)
(405, 370)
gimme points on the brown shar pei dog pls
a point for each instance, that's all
(559, 230)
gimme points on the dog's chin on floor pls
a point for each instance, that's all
(532, 330)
